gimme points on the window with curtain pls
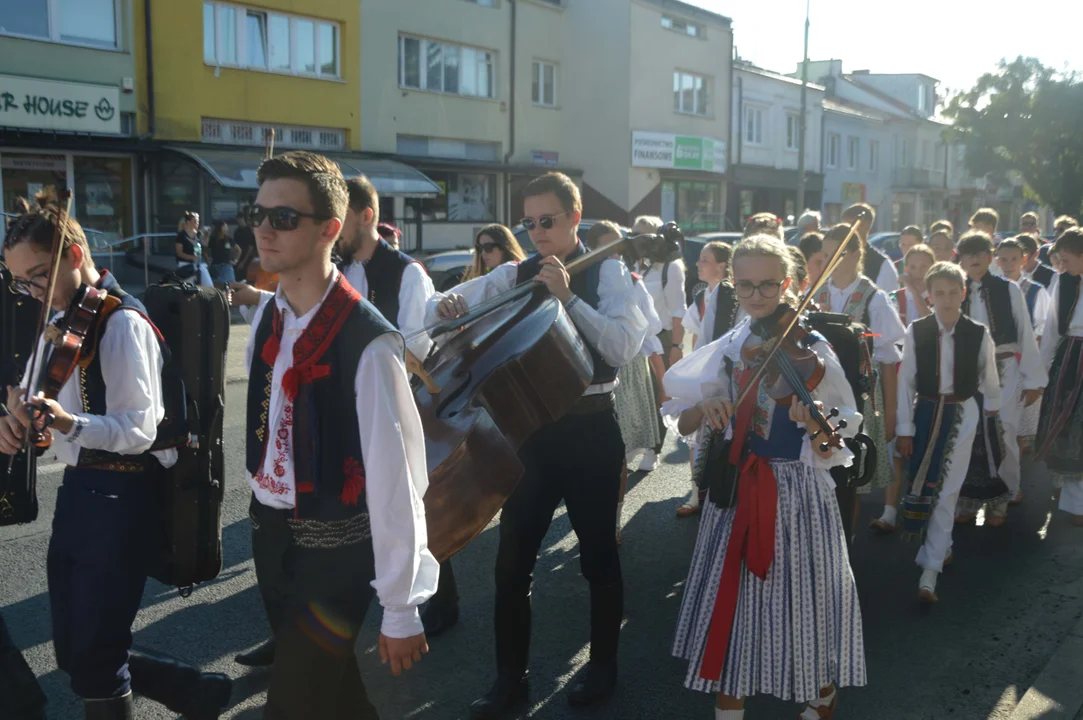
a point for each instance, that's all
(445, 67)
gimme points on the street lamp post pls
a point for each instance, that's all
(804, 121)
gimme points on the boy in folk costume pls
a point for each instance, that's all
(778, 615)
(335, 456)
(1060, 444)
(1012, 256)
(878, 267)
(942, 245)
(1000, 306)
(850, 292)
(947, 360)
(910, 236)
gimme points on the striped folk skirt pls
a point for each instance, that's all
(799, 629)
(637, 411)
(1060, 429)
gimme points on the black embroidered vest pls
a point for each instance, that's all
(91, 381)
(329, 469)
(874, 261)
(968, 336)
(725, 311)
(384, 274)
(1043, 274)
(1067, 297)
(585, 286)
(997, 294)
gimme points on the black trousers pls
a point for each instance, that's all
(447, 590)
(104, 540)
(578, 460)
(21, 697)
(317, 598)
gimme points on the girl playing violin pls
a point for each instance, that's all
(775, 611)
(104, 421)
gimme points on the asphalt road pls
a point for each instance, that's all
(1006, 602)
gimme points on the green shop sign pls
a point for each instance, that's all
(680, 152)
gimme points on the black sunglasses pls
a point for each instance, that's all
(490, 247)
(281, 218)
(546, 221)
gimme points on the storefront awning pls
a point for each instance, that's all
(236, 168)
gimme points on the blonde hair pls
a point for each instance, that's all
(920, 249)
(945, 271)
(771, 247)
(653, 223)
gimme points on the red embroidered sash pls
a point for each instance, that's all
(752, 538)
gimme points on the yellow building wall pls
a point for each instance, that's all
(187, 90)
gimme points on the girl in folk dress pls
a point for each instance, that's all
(850, 292)
(775, 611)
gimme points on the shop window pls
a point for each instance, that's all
(177, 190)
(464, 197)
(76, 22)
(698, 206)
(103, 195)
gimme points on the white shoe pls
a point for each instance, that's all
(927, 586)
(649, 461)
(630, 457)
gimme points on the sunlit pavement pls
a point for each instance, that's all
(1006, 603)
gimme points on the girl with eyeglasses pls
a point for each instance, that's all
(780, 615)
(493, 246)
(850, 292)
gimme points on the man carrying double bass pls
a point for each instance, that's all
(576, 459)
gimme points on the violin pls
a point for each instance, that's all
(793, 369)
(519, 364)
(68, 344)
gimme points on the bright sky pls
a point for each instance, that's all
(954, 41)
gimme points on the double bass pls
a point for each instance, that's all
(518, 364)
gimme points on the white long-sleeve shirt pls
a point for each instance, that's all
(616, 329)
(1051, 333)
(651, 344)
(668, 301)
(1041, 303)
(884, 321)
(888, 277)
(988, 378)
(414, 292)
(131, 364)
(1032, 374)
(393, 447)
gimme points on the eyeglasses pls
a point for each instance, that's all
(281, 218)
(768, 289)
(489, 247)
(38, 282)
(546, 221)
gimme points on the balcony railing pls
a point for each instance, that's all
(917, 178)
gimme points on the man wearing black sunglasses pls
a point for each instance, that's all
(576, 459)
(335, 456)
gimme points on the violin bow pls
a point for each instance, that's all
(832, 265)
(62, 209)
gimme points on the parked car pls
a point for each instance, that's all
(446, 268)
(887, 243)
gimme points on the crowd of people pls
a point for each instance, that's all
(966, 353)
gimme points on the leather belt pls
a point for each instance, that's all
(590, 404)
(123, 466)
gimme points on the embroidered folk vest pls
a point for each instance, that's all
(384, 274)
(996, 292)
(329, 469)
(858, 302)
(968, 336)
(1067, 297)
(585, 286)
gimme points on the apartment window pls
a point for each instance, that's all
(904, 153)
(684, 27)
(753, 126)
(544, 88)
(256, 40)
(74, 22)
(852, 151)
(445, 67)
(921, 98)
(874, 156)
(833, 150)
(465, 197)
(793, 131)
(926, 154)
(689, 93)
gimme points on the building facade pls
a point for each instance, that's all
(857, 159)
(68, 107)
(765, 141)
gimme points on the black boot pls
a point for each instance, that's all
(180, 687)
(120, 708)
(443, 610)
(606, 614)
(595, 683)
(262, 656)
(507, 694)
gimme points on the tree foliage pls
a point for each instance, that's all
(1027, 118)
